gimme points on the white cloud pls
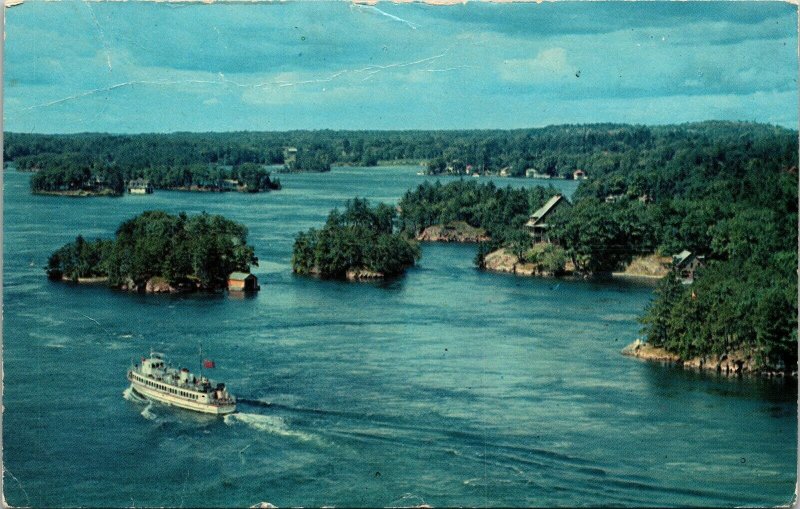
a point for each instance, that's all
(549, 64)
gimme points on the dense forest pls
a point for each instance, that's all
(190, 252)
(360, 240)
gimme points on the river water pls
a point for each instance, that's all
(448, 387)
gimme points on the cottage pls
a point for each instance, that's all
(686, 264)
(537, 224)
(289, 156)
(140, 186)
(531, 173)
(230, 185)
(243, 282)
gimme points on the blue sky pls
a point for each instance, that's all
(137, 66)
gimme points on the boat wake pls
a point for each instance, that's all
(147, 412)
(131, 395)
(269, 424)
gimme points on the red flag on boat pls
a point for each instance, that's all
(209, 364)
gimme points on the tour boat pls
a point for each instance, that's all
(154, 380)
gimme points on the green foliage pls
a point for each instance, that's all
(360, 237)
(203, 247)
(79, 259)
(729, 194)
(316, 159)
(600, 236)
(549, 258)
(254, 178)
(727, 309)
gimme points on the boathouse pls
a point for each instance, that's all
(537, 225)
(579, 175)
(140, 186)
(242, 282)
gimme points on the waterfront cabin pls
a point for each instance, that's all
(242, 282)
(290, 156)
(686, 264)
(531, 173)
(230, 185)
(537, 225)
(579, 175)
(140, 186)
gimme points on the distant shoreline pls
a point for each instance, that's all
(79, 193)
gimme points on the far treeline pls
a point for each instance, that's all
(554, 151)
(725, 191)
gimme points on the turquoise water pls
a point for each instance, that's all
(449, 387)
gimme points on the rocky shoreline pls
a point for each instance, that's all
(734, 363)
(153, 285)
(503, 260)
(354, 274)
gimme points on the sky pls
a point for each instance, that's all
(136, 66)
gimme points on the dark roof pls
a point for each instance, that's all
(545, 210)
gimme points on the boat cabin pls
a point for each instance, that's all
(153, 365)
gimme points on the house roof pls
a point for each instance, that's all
(240, 276)
(681, 257)
(544, 210)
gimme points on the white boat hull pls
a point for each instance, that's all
(177, 401)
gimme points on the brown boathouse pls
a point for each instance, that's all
(243, 282)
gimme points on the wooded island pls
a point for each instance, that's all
(156, 251)
(358, 243)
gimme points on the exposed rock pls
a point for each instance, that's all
(736, 362)
(645, 351)
(500, 261)
(158, 285)
(652, 266)
(525, 269)
(457, 231)
(363, 275)
(130, 285)
(504, 261)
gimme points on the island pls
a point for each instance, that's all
(70, 175)
(157, 252)
(357, 244)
